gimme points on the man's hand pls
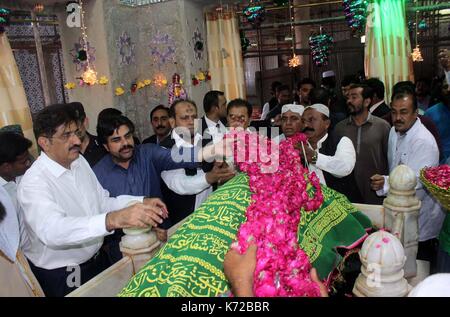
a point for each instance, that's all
(322, 287)
(310, 153)
(377, 182)
(239, 270)
(220, 173)
(136, 216)
(444, 59)
(157, 203)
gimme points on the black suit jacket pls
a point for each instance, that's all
(153, 139)
(381, 110)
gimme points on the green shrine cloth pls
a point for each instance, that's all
(191, 263)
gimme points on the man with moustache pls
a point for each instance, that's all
(159, 118)
(369, 135)
(330, 160)
(185, 189)
(411, 144)
(291, 121)
(91, 149)
(131, 169)
(66, 209)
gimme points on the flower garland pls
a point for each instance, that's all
(282, 268)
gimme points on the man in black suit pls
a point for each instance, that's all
(378, 107)
(159, 118)
(213, 123)
(90, 148)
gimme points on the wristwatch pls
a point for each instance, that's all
(314, 158)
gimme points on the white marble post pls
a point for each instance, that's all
(382, 258)
(402, 213)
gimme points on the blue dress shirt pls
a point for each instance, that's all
(142, 178)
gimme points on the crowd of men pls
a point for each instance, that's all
(67, 208)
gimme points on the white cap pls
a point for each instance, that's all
(320, 108)
(294, 108)
(328, 73)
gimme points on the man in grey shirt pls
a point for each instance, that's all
(370, 136)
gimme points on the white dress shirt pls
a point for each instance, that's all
(339, 165)
(11, 189)
(182, 184)
(9, 227)
(65, 211)
(265, 111)
(417, 148)
(216, 133)
(375, 106)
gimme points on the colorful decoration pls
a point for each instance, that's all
(70, 85)
(282, 268)
(126, 49)
(140, 85)
(320, 48)
(294, 61)
(417, 55)
(356, 14)
(160, 81)
(90, 76)
(255, 12)
(119, 91)
(176, 90)
(133, 88)
(199, 46)
(162, 49)
(201, 76)
(103, 80)
(147, 82)
(422, 26)
(82, 54)
(4, 19)
(281, 3)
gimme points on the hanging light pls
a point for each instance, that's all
(89, 76)
(38, 7)
(416, 54)
(294, 61)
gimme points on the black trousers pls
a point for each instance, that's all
(60, 282)
(427, 251)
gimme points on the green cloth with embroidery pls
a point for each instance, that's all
(191, 262)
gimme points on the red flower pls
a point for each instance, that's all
(439, 176)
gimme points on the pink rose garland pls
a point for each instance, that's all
(282, 268)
